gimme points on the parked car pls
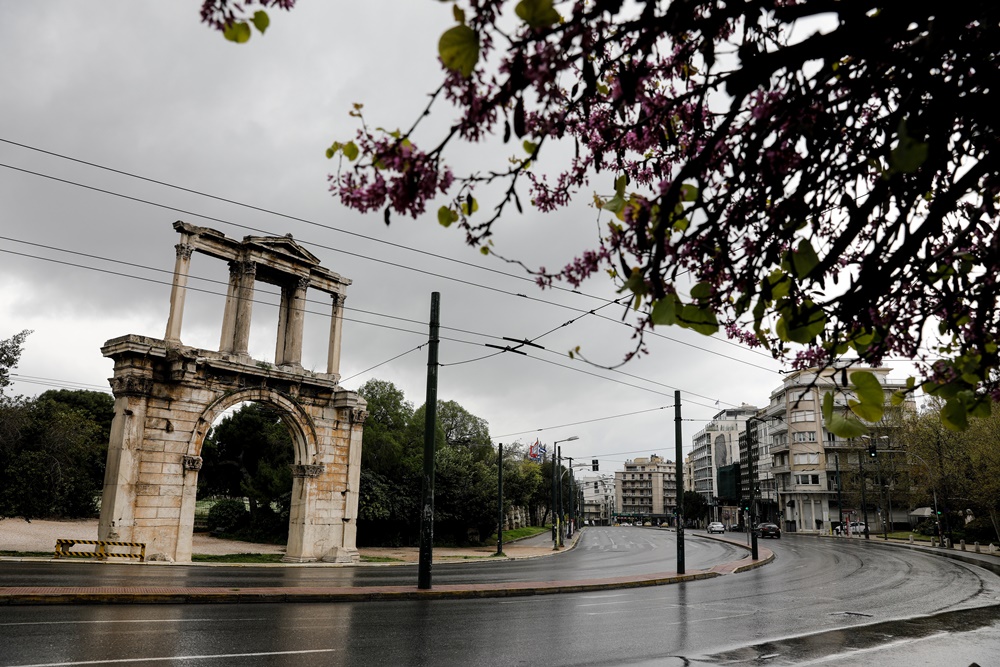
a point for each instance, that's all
(716, 527)
(768, 530)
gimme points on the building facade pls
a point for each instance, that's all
(804, 457)
(713, 447)
(647, 490)
(598, 498)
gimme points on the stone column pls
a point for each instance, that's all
(291, 323)
(336, 328)
(244, 306)
(178, 290)
(229, 316)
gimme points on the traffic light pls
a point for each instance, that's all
(594, 465)
(873, 450)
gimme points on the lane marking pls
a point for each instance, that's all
(119, 661)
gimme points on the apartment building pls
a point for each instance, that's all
(716, 446)
(803, 455)
(647, 489)
(598, 492)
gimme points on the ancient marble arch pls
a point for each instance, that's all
(167, 396)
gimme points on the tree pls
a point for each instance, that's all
(52, 456)
(800, 175)
(10, 354)
(695, 506)
(249, 455)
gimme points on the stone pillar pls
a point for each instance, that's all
(178, 290)
(189, 496)
(229, 316)
(244, 307)
(336, 328)
(291, 321)
(121, 474)
(302, 530)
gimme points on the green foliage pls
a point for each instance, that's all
(249, 455)
(228, 515)
(10, 353)
(459, 49)
(695, 506)
(52, 455)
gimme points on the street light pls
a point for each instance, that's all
(557, 537)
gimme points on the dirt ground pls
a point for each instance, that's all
(41, 535)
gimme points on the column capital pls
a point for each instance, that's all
(307, 470)
(303, 282)
(131, 385)
(184, 250)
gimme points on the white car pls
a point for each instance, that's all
(716, 527)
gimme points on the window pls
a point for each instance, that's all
(803, 416)
(807, 479)
(806, 458)
(799, 396)
(805, 436)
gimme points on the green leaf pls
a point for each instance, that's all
(688, 192)
(701, 291)
(261, 21)
(620, 184)
(801, 323)
(333, 149)
(615, 205)
(698, 318)
(237, 32)
(838, 424)
(446, 216)
(537, 13)
(458, 13)
(871, 405)
(484, 250)
(459, 49)
(465, 206)
(909, 153)
(665, 310)
(350, 151)
(529, 147)
(805, 259)
(954, 415)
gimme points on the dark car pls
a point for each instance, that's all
(768, 530)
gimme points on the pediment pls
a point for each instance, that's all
(282, 245)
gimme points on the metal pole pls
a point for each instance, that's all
(751, 464)
(430, 415)
(555, 521)
(840, 502)
(500, 499)
(562, 540)
(572, 496)
(864, 503)
(680, 481)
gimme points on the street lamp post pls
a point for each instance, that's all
(937, 515)
(557, 488)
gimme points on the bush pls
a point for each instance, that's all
(980, 530)
(228, 515)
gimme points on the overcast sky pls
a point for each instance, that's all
(142, 87)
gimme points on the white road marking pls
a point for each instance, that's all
(120, 661)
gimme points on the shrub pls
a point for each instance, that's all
(228, 515)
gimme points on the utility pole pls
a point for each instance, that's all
(680, 481)
(572, 496)
(500, 521)
(840, 502)
(864, 503)
(555, 521)
(430, 415)
(562, 541)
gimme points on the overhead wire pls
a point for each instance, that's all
(352, 254)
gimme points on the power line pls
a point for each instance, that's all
(366, 257)
(586, 421)
(346, 319)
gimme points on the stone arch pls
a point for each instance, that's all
(303, 430)
(167, 395)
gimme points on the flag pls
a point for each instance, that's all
(533, 451)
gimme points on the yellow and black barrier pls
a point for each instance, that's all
(63, 548)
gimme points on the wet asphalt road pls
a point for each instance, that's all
(602, 552)
(829, 601)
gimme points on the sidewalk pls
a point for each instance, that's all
(174, 595)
